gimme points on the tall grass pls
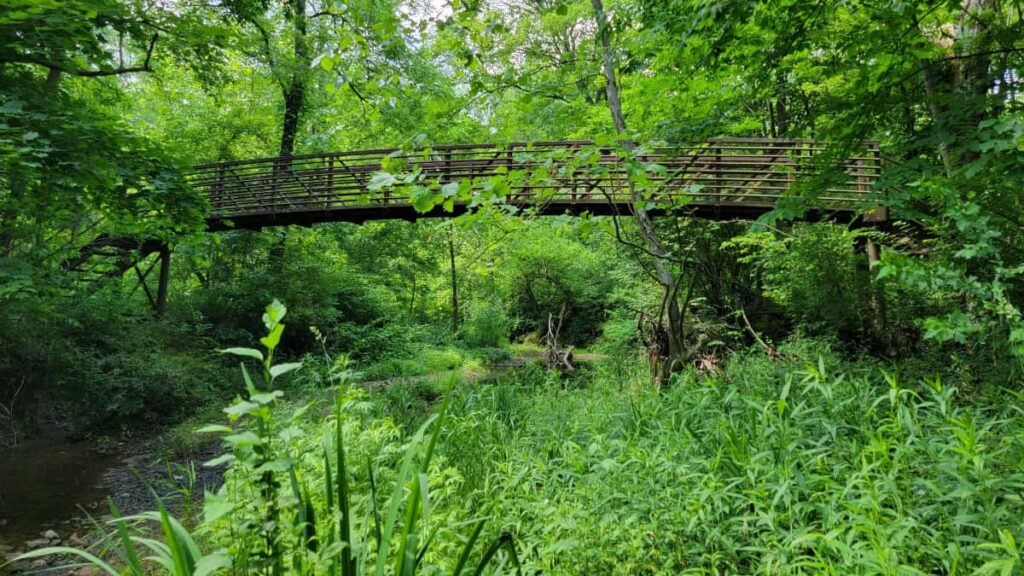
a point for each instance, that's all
(793, 467)
(802, 465)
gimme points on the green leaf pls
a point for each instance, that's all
(264, 398)
(245, 352)
(215, 507)
(279, 465)
(285, 368)
(219, 460)
(274, 314)
(241, 407)
(348, 566)
(214, 429)
(212, 563)
(325, 61)
(380, 181)
(243, 439)
(422, 199)
(273, 338)
(450, 189)
(460, 565)
(89, 558)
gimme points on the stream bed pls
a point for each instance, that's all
(43, 483)
(51, 484)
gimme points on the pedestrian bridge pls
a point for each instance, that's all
(722, 178)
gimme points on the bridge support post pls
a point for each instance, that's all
(165, 274)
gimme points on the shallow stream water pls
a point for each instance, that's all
(44, 482)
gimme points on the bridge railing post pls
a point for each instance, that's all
(717, 184)
(218, 196)
(329, 192)
(803, 156)
(446, 175)
(572, 175)
(859, 167)
(509, 155)
(881, 212)
(274, 190)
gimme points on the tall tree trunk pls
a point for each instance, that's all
(673, 358)
(164, 280)
(295, 89)
(294, 93)
(974, 75)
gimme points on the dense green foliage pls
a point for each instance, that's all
(749, 396)
(808, 464)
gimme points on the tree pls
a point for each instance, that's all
(70, 167)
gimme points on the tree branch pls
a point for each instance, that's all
(28, 59)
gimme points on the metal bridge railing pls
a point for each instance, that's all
(724, 173)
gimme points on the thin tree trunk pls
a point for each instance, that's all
(660, 256)
(455, 282)
(164, 280)
(970, 82)
(53, 79)
(781, 111)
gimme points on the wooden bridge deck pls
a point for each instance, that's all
(721, 179)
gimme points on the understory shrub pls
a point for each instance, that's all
(818, 274)
(99, 369)
(619, 334)
(547, 272)
(319, 289)
(492, 356)
(414, 360)
(487, 325)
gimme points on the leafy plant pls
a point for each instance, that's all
(309, 529)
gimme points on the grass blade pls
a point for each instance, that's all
(129, 555)
(404, 473)
(348, 565)
(373, 503)
(468, 548)
(92, 560)
(505, 539)
(332, 570)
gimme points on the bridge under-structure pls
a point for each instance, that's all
(721, 179)
(724, 178)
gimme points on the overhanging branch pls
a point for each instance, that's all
(58, 67)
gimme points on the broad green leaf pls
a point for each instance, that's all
(280, 369)
(215, 507)
(212, 563)
(245, 352)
